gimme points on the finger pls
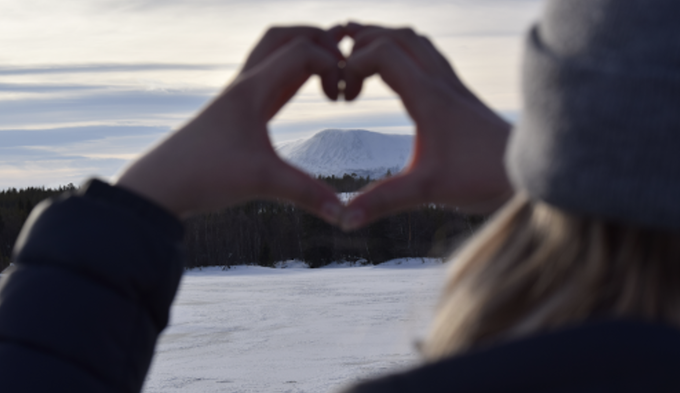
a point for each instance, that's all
(444, 63)
(381, 199)
(418, 47)
(276, 80)
(276, 37)
(337, 32)
(287, 182)
(396, 68)
(352, 28)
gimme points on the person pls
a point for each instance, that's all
(572, 287)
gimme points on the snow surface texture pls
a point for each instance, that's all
(336, 152)
(292, 329)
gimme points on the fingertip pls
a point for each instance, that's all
(353, 86)
(352, 219)
(352, 28)
(331, 212)
(331, 90)
(337, 32)
(330, 83)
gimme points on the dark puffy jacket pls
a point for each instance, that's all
(604, 357)
(96, 274)
(94, 279)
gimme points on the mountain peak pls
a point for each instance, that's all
(339, 151)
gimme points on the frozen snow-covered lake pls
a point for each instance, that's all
(254, 329)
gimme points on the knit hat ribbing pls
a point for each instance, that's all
(600, 130)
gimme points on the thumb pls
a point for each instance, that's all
(287, 182)
(380, 199)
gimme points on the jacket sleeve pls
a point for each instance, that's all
(94, 277)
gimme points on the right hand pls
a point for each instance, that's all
(459, 142)
(224, 156)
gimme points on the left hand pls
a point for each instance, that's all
(459, 142)
(224, 156)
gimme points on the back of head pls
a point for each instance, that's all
(600, 130)
(594, 229)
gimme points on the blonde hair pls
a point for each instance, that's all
(535, 268)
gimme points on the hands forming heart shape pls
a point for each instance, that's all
(224, 156)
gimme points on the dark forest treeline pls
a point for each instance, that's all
(347, 183)
(15, 205)
(264, 232)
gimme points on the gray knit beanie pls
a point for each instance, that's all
(600, 131)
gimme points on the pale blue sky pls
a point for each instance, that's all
(87, 85)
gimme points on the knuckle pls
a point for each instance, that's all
(425, 40)
(302, 43)
(363, 37)
(273, 31)
(384, 45)
(316, 32)
(407, 33)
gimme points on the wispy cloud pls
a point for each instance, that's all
(91, 104)
(69, 135)
(109, 68)
(87, 85)
(53, 172)
(52, 157)
(42, 88)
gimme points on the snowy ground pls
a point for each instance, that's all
(254, 329)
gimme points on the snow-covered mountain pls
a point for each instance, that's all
(336, 152)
